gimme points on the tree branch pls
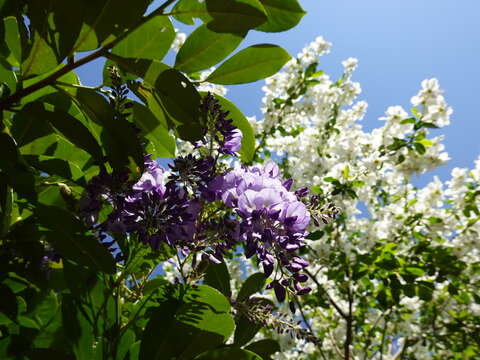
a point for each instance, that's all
(334, 304)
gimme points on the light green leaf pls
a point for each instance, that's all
(251, 64)
(12, 39)
(41, 58)
(152, 40)
(186, 10)
(204, 48)
(282, 15)
(161, 143)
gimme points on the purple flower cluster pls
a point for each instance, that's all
(155, 209)
(273, 222)
(219, 129)
(194, 210)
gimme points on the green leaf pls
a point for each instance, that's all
(240, 121)
(204, 48)
(104, 20)
(153, 285)
(13, 41)
(228, 353)
(70, 128)
(8, 302)
(35, 136)
(252, 285)
(126, 341)
(41, 58)
(419, 148)
(251, 64)
(281, 15)
(188, 322)
(264, 348)
(217, 276)
(234, 16)
(415, 270)
(77, 329)
(9, 79)
(68, 237)
(245, 330)
(69, 78)
(152, 40)
(17, 174)
(54, 166)
(168, 94)
(154, 128)
(118, 137)
(186, 10)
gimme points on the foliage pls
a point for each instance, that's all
(104, 254)
(72, 158)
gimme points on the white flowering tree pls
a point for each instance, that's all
(396, 276)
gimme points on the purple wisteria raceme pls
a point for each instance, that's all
(273, 222)
(219, 129)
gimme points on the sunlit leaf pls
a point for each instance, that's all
(251, 64)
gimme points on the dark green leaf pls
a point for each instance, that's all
(419, 148)
(154, 128)
(72, 129)
(168, 94)
(17, 174)
(217, 276)
(252, 285)
(77, 329)
(8, 302)
(53, 166)
(228, 353)
(118, 136)
(251, 64)
(281, 15)
(235, 16)
(104, 20)
(245, 330)
(68, 236)
(204, 48)
(188, 322)
(126, 341)
(152, 40)
(264, 348)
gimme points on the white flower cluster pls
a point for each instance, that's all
(313, 121)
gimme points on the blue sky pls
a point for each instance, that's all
(398, 43)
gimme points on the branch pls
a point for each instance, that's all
(304, 318)
(71, 65)
(334, 304)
